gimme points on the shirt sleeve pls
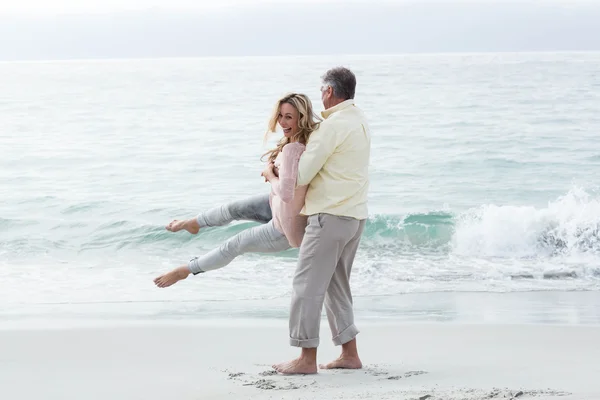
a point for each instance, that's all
(288, 171)
(321, 145)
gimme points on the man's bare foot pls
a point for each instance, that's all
(172, 277)
(343, 363)
(297, 366)
(190, 225)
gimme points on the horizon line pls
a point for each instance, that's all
(402, 54)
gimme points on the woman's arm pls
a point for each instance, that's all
(284, 186)
(288, 172)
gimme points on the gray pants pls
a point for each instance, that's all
(323, 275)
(260, 239)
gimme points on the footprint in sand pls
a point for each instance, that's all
(264, 384)
(396, 377)
(279, 383)
(270, 384)
(375, 370)
(495, 393)
(414, 373)
(268, 373)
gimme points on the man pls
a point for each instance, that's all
(335, 165)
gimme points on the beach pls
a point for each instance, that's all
(232, 358)
(478, 272)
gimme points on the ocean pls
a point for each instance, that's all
(484, 178)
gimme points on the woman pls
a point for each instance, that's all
(279, 211)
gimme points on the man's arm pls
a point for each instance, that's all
(320, 147)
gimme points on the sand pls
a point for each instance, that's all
(231, 360)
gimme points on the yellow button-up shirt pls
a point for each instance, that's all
(335, 164)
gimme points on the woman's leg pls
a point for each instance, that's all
(255, 208)
(259, 239)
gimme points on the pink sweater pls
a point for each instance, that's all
(286, 199)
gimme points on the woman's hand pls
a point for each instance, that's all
(268, 172)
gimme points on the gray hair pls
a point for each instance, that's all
(342, 81)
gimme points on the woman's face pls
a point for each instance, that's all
(288, 119)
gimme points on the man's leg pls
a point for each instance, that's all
(255, 208)
(339, 306)
(322, 246)
(259, 239)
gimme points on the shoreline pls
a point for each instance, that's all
(542, 307)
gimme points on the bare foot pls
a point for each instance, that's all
(190, 225)
(172, 277)
(297, 366)
(343, 363)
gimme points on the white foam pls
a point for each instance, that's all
(569, 225)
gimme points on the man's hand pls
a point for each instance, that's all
(268, 172)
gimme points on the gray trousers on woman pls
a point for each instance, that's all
(259, 239)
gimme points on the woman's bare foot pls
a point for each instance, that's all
(191, 225)
(297, 366)
(343, 363)
(172, 277)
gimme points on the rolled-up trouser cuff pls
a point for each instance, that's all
(305, 343)
(193, 266)
(346, 335)
(201, 219)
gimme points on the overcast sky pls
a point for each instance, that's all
(74, 29)
(29, 7)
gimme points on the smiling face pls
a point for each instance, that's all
(294, 114)
(288, 119)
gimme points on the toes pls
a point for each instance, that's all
(342, 364)
(170, 225)
(162, 281)
(281, 368)
(332, 365)
(292, 368)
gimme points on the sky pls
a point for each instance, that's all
(31, 7)
(80, 29)
(53, 7)
(49, 7)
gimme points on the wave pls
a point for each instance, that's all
(427, 229)
(569, 225)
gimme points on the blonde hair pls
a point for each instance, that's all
(308, 122)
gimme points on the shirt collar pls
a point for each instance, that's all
(341, 106)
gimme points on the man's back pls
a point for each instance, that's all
(336, 164)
